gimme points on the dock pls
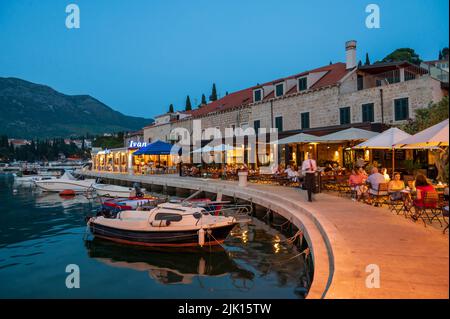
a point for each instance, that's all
(348, 239)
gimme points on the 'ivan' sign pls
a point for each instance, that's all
(134, 144)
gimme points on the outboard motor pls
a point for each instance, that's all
(138, 190)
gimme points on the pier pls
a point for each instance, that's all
(347, 239)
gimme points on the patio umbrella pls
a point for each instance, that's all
(433, 136)
(350, 134)
(217, 148)
(298, 138)
(385, 140)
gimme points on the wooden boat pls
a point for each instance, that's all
(166, 225)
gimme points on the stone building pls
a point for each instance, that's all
(320, 101)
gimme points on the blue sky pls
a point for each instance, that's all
(139, 56)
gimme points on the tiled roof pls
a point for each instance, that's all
(334, 73)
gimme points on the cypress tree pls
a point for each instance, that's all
(171, 108)
(213, 96)
(203, 100)
(440, 55)
(188, 104)
(367, 59)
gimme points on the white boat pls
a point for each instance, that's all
(114, 190)
(67, 181)
(166, 225)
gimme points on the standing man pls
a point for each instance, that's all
(309, 168)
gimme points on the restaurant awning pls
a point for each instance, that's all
(385, 140)
(158, 148)
(350, 134)
(217, 148)
(298, 138)
(433, 136)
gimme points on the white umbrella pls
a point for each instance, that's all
(433, 136)
(299, 138)
(217, 148)
(385, 140)
(350, 134)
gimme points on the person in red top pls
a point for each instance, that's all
(356, 182)
(422, 187)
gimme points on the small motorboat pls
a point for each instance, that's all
(107, 190)
(166, 225)
(130, 203)
(67, 181)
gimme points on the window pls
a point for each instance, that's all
(279, 90)
(360, 82)
(257, 95)
(244, 125)
(257, 126)
(344, 115)
(169, 217)
(279, 123)
(302, 84)
(401, 109)
(367, 112)
(304, 120)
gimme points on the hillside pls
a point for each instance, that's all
(29, 110)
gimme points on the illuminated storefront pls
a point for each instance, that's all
(122, 160)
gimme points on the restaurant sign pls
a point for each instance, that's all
(134, 144)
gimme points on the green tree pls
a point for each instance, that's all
(440, 55)
(429, 116)
(403, 54)
(203, 100)
(425, 118)
(171, 108)
(213, 96)
(188, 103)
(445, 53)
(367, 59)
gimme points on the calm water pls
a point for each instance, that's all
(40, 234)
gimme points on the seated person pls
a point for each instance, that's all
(356, 182)
(395, 187)
(385, 174)
(375, 179)
(362, 172)
(292, 174)
(422, 187)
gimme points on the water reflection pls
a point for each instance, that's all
(41, 233)
(168, 266)
(49, 200)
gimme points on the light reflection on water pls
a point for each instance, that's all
(40, 234)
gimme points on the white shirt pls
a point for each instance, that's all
(309, 165)
(290, 172)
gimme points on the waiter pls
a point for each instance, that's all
(309, 168)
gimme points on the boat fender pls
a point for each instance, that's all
(160, 223)
(201, 266)
(201, 237)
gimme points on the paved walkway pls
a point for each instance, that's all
(346, 237)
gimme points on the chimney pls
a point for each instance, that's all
(350, 54)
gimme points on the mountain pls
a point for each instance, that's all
(29, 110)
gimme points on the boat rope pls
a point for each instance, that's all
(281, 225)
(267, 213)
(210, 234)
(305, 252)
